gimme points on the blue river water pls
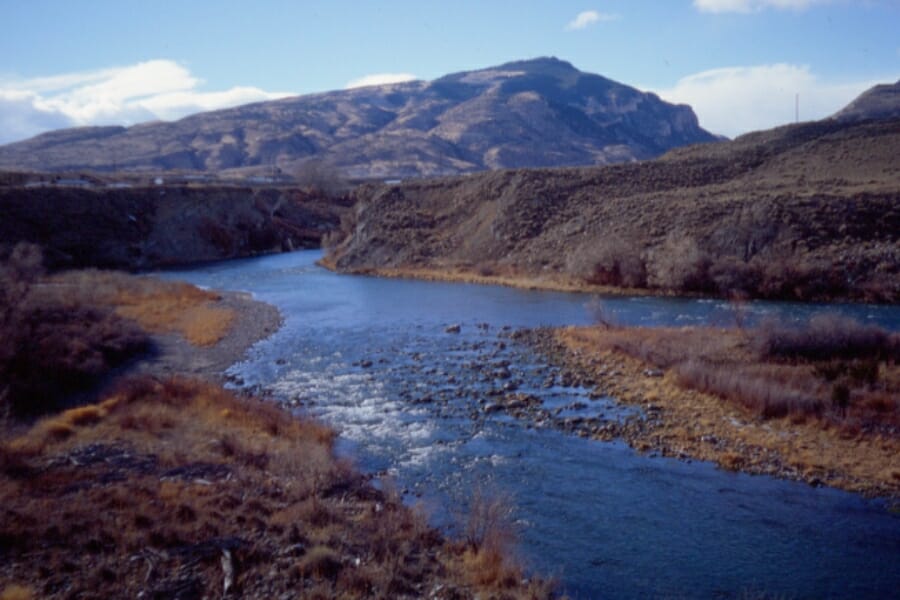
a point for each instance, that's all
(373, 358)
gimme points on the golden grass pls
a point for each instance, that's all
(188, 415)
(157, 476)
(177, 307)
(552, 281)
(830, 449)
(156, 305)
(16, 592)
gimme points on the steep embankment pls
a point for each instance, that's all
(805, 211)
(142, 227)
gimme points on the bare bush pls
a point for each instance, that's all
(614, 261)
(53, 345)
(679, 264)
(320, 177)
(762, 394)
(794, 278)
(827, 336)
(732, 276)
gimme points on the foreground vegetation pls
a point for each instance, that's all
(181, 489)
(818, 402)
(67, 333)
(175, 488)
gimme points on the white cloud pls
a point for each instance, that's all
(151, 90)
(380, 79)
(735, 100)
(587, 18)
(22, 114)
(747, 6)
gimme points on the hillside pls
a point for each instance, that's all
(879, 102)
(809, 211)
(151, 226)
(535, 113)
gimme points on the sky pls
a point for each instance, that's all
(739, 63)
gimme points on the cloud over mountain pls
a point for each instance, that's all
(540, 112)
(149, 90)
(734, 100)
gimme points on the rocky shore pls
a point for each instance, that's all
(169, 486)
(254, 321)
(675, 422)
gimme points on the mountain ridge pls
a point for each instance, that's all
(540, 112)
(877, 103)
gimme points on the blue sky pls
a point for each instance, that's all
(739, 63)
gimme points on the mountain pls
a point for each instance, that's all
(808, 211)
(535, 113)
(879, 102)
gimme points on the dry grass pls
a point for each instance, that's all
(64, 334)
(722, 400)
(771, 392)
(157, 306)
(145, 490)
(827, 337)
(749, 367)
(16, 592)
(151, 490)
(55, 344)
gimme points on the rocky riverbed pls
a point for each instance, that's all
(676, 422)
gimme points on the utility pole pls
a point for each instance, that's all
(796, 108)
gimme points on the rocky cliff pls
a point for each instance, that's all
(154, 226)
(533, 113)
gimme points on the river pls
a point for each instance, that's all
(373, 358)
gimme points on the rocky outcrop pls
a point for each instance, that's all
(534, 113)
(878, 103)
(144, 227)
(805, 211)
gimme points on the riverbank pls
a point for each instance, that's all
(685, 423)
(167, 485)
(757, 217)
(555, 282)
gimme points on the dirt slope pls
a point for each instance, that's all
(805, 211)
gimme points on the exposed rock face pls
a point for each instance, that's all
(534, 113)
(805, 211)
(144, 227)
(879, 103)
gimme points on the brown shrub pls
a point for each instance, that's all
(488, 522)
(795, 278)
(54, 344)
(614, 261)
(679, 264)
(320, 177)
(825, 337)
(763, 394)
(320, 562)
(731, 275)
